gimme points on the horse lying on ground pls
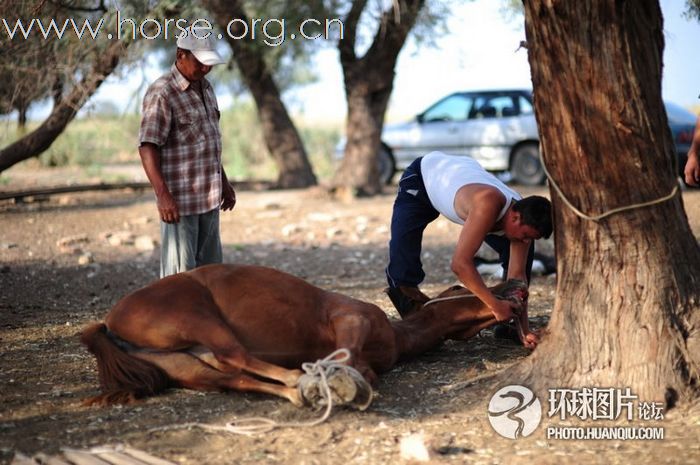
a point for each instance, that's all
(249, 328)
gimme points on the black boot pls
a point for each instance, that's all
(404, 304)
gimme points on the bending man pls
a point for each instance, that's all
(461, 190)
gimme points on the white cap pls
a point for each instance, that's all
(203, 49)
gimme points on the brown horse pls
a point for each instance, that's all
(249, 328)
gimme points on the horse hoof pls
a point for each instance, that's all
(343, 387)
(308, 388)
(339, 385)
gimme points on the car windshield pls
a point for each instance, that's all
(679, 115)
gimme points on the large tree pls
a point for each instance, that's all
(628, 292)
(369, 80)
(281, 136)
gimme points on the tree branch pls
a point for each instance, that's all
(64, 110)
(346, 46)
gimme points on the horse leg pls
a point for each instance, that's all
(191, 373)
(351, 333)
(177, 313)
(227, 353)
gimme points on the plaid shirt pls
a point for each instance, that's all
(185, 127)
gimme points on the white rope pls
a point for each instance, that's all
(452, 297)
(442, 299)
(600, 216)
(257, 425)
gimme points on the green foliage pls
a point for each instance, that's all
(244, 153)
(92, 141)
(246, 156)
(693, 9)
(97, 140)
(512, 10)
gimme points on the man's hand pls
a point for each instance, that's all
(228, 196)
(503, 310)
(167, 208)
(530, 340)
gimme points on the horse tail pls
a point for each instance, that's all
(123, 377)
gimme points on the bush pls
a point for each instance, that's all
(94, 141)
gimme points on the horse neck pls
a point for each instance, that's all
(419, 332)
(427, 327)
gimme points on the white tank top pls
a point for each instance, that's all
(444, 175)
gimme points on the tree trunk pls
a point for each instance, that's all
(281, 136)
(369, 81)
(626, 312)
(64, 110)
(22, 117)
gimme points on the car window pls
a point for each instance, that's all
(525, 106)
(497, 106)
(452, 108)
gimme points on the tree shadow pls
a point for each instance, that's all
(47, 304)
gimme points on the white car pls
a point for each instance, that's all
(496, 127)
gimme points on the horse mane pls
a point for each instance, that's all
(123, 378)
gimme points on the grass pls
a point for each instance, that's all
(95, 141)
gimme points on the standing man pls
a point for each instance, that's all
(180, 148)
(461, 190)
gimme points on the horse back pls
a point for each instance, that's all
(268, 308)
(274, 315)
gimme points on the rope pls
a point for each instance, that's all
(463, 296)
(600, 216)
(320, 369)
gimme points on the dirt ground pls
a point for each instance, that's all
(65, 260)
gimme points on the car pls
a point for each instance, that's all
(495, 127)
(682, 124)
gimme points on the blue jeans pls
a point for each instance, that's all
(411, 215)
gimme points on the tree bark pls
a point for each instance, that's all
(281, 136)
(369, 81)
(64, 110)
(628, 293)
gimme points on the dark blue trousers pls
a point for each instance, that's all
(411, 215)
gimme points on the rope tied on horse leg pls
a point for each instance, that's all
(326, 380)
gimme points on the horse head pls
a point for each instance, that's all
(468, 313)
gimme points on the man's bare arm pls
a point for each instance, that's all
(482, 216)
(692, 166)
(167, 207)
(517, 269)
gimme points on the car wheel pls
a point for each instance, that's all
(525, 166)
(387, 165)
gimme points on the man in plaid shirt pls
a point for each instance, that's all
(180, 148)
